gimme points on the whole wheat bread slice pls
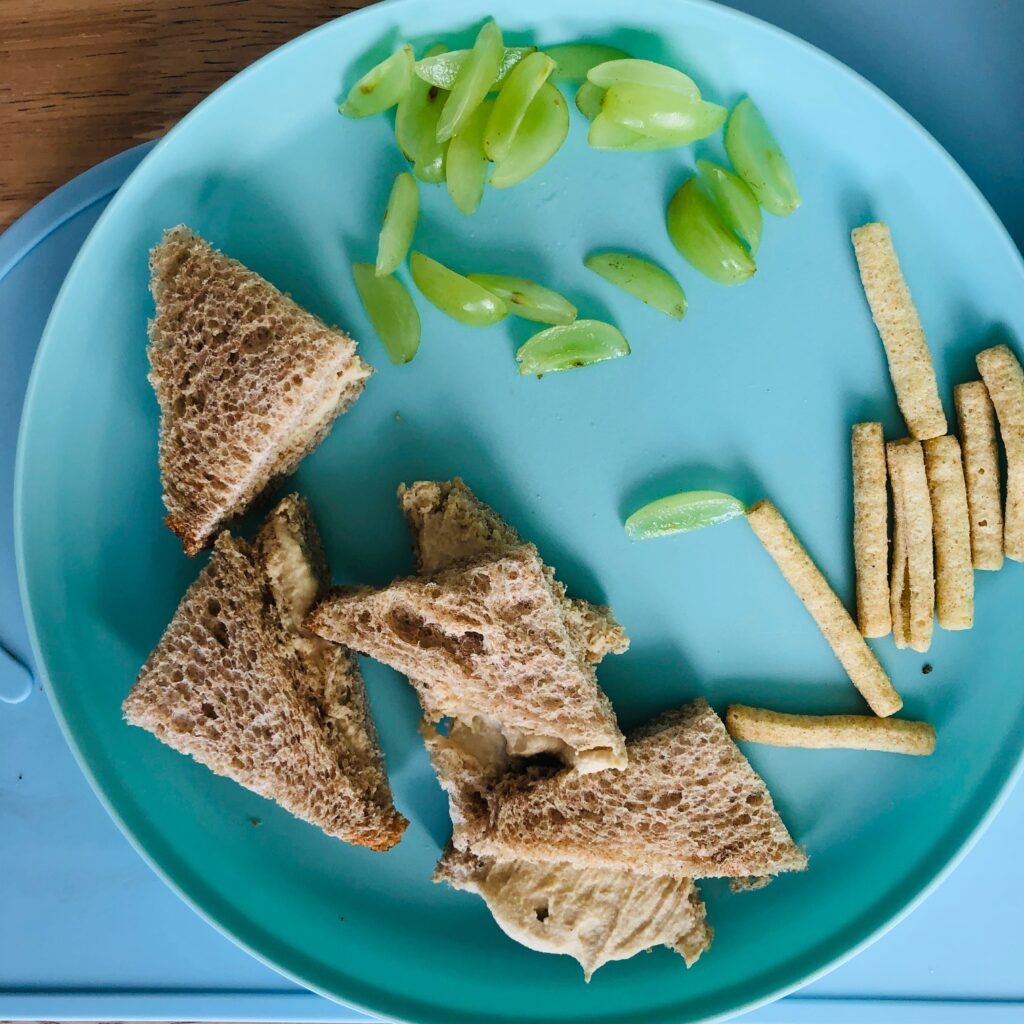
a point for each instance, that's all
(688, 804)
(234, 684)
(248, 383)
(451, 526)
(593, 914)
(487, 640)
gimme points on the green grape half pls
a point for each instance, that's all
(605, 133)
(737, 204)
(698, 231)
(411, 120)
(540, 136)
(680, 513)
(467, 164)
(391, 311)
(400, 216)
(645, 73)
(759, 161)
(646, 280)
(431, 155)
(473, 81)
(588, 100)
(443, 70)
(462, 299)
(516, 95)
(662, 114)
(527, 299)
(582, 343)
(381, 87)
(574, 60)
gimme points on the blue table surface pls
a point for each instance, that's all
(88, 931)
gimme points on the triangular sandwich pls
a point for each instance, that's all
(247, 381)
(238, 685)
(489, 640)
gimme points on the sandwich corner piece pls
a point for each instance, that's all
(708, 814)
(247, 381)
(238, 685)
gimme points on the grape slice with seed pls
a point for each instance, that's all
(759, 161)
(642, 278)
(527, 299)
(578, 344)
(381, 87)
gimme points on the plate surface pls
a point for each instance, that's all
(754, 393)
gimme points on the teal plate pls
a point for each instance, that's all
(753, 393)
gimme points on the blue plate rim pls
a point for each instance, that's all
(428, 1013)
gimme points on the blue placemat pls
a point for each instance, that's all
(87, 931)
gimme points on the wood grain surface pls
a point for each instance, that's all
(82, 80)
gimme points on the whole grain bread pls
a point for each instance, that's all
(451, 526)
(688, 805)
(247, 381)
(593, 914)
(487, 639)
(289, 549)
(235, 686)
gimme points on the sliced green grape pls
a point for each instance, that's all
(516, 95)
(381, 87)
(527, 299)
(473, 81)
(574, 60)
(646, 280)
(662, 114)
(391, 311)
(443, 70)
(588, 100)
(679, 513)
(701, 235)
(643, 72)
(540, 136)
(400, 216)
(462, 299)
(431, 155)
(736, 203)
(411, 119)
(605, 133)
(582, 343)
(759, 161)
(467, 164)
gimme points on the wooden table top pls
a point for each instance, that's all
(83, 80)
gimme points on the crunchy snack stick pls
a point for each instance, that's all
(1004, 378)
(977, 421)
(954, 573)
(913, 510)
(897, 320)
(854, 732)
(899, 589)
(828, 611)
(870, 529)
